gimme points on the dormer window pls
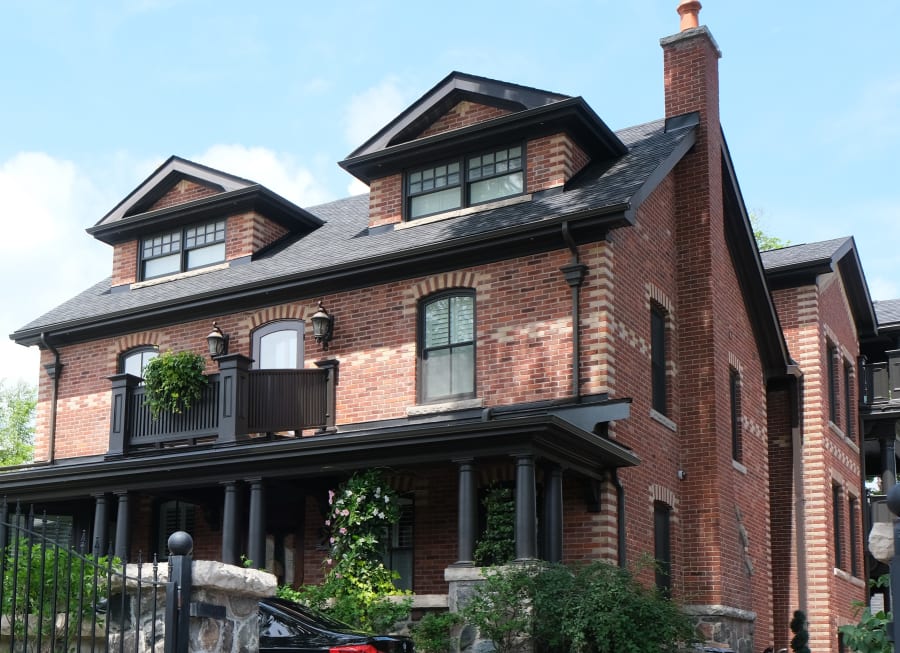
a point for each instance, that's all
(183, 249)
(472, 180)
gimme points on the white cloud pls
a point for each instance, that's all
(45, 256)
(371, 110)
(356, 187)
(276, 171)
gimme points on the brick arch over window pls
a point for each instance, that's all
(141, 339)
(446, 281)
(276, 313)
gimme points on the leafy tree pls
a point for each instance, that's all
(764, 241)
(497, 545)
(17, 403)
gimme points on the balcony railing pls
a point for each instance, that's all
(882, 380)
(236, 402)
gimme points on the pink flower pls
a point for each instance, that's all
(343, 531)
(345, 512)
(330, 497)
(329, 561)
(328, 522)
(331, 540)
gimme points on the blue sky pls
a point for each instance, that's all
(95, 95)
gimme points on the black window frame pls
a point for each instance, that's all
(831, 374)
(662, 546)
(186, 517)
(849, 431)
(183, 248)
(407, 519)
(734, 391)
(465, 182)
(659, 383)
(135, 351)
(256, 336)
(853, 533)
(422, 351)
(837, 526)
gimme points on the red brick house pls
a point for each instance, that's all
(524, 296)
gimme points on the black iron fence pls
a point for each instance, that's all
(56, 596)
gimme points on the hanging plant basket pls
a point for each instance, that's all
(173, 382)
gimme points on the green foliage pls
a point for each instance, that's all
(497, 544)
(870, 634)
(591, 608)
(764, 241)
(174, 381)
(41, 581)
(289, 593)
(358, 589)
(17, 404)
(433, 632)
(800, 640)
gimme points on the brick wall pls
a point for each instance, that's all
(125, 261)
(465, 113)
(184, 191)
(247, 233)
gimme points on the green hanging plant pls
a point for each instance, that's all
(173, 382)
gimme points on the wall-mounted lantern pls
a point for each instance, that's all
(217, 341)
(323, 326)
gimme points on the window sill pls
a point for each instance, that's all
(739, 467)
(840, 573)
(445, 407)
(458, 213)
(179, 275)
(838, 431)
(665, 421)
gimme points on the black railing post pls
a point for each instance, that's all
(120, 412)
(893, 357)
(330, 365)
(234, 395)
(178, 593)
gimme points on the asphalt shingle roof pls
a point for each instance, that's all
(345, 238)
(798, 255)
(887, 312)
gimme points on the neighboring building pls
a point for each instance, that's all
(524, 297)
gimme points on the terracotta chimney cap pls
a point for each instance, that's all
(689, 11)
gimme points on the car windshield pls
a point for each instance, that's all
(319, 619)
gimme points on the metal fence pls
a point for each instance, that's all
(56, 596)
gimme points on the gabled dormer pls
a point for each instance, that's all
(472, 143)
(187, 218)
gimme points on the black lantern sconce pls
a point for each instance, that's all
(323, 326)
(217, 341)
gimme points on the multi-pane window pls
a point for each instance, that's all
(853, 516)
(837, 525)
(662, 546)
(734, 385)
(447, 347)
(183, 249)
(134, 361)
(848, 400)
(467, 181)
(659, 389)
(831, 372)
(173, 516)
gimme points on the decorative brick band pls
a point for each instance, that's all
(141, 339)
(280, 312)
(445, 281)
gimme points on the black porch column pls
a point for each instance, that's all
(467, 521)
(101, 526)
(123, 529)
(230, 525)
(256, 540)
(526, 509)
(888, 462)
(553, 513)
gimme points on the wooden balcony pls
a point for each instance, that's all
(882, 380)
(236, 402)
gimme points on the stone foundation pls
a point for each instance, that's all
(724, 627)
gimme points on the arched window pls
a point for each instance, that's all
(278, 345)
(135, 360)
(447, 346)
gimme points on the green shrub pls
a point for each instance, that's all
(497, 544)
(173, 382)
(590, 608)
(800, 640)
(870, 634)
(434, 632)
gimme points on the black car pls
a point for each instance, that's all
(289, 627)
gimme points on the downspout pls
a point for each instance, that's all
(799, 490)
(574, 274)
(53, 370)
(620, 516)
